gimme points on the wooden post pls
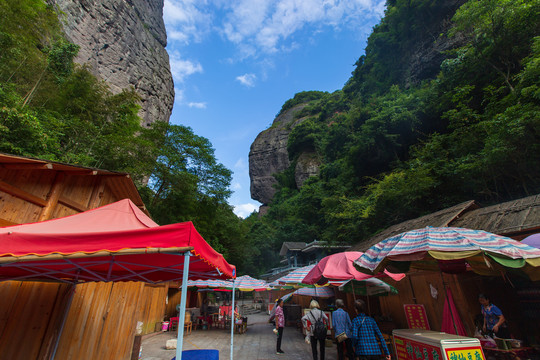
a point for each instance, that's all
(53, 196)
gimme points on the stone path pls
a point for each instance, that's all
(259, 342)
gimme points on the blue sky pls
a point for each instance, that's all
(235, 63)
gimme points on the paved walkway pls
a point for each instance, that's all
(259, 342)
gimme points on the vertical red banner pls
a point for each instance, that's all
(416, 316)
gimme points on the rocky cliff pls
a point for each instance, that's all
(268, 156)
(420, 61)
(123, 42)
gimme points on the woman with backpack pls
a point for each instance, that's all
(317, 330)
(365, 333)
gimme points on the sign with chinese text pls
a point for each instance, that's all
(465, 353)
(416, 316)
(407, 349)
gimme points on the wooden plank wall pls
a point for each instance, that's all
(151, 307)
(27, 313)
(97, 329)
(102, 320)
(465, 289)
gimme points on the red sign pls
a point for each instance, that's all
(413, 350)
(416, 316)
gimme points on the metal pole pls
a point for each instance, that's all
(66, 312)
(183, 298)
(412, 290)
(232, 319)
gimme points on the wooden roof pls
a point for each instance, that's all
(291, 245)
(443, 217)
(516, 218)
(119, 183)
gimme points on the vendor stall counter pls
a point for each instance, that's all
(415, 344)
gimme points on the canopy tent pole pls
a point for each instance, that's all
(232, 319)
(64, 318)
(183, 298)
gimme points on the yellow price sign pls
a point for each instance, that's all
(465, 353)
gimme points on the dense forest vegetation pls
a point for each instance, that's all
(393, 143)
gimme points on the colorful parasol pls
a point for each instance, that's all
(427, 248)
(323, 292)
(340, 266)
(293, 279)
(242, 283)
(367, 287)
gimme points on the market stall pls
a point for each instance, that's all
(452, 250)
(116, 242)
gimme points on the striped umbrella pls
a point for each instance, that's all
(243, 283)
(323, 292)
(210, 284)
(430, 246)
(247, 283)
(293, 279)
(367, 287)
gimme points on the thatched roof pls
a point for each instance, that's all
(440, 218)
(517, 219)
(509, 218)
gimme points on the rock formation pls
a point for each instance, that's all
(268, 156)
(123, 42)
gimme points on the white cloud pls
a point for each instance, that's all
(240, 164)
(186, 20)
(178, 95)
(267, 25)
(244, 210)
(181, 68)
(197, 105)
(247, 79)
(237, 186)
(258, 27)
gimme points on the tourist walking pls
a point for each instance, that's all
(365, 334)
(280, 323)
(315, 332)
(341, 322)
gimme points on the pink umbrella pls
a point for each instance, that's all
(340, 266)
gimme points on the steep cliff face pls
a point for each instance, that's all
(123, 42)
(268, 156)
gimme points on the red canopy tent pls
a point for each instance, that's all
(116, 242)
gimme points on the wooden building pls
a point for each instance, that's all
(40, 320)
(515, 296)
